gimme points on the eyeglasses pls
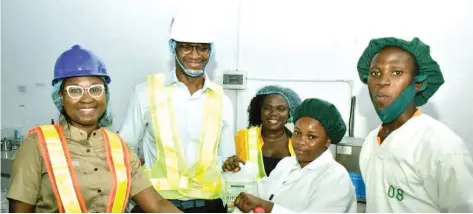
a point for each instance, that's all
(202, 49)
(76, 92)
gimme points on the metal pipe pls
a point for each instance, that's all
(351, 122)
(298, 80)
(237, 63)
(350, 82)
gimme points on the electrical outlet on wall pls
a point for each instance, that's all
(234, 79)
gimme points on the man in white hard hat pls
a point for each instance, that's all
(184, 121)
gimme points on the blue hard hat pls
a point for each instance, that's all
(77, 62)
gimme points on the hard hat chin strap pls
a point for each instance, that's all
(189, 72)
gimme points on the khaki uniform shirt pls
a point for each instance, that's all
(30, 182)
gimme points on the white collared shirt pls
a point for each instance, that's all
(188, 112)
(322, 186)
(422, 166)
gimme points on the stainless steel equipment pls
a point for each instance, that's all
(6, 145)
(347, 153)
(15, 144)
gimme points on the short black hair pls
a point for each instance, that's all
(254, 111)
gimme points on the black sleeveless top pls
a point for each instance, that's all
(271, 162)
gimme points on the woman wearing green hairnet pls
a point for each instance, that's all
(411, 162)
(311, 181)
(267, 137)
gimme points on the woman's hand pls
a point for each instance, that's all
(247, 202)
(20, 207)
(232, 164)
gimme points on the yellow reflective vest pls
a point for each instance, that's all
(249, 144)
(170, 175)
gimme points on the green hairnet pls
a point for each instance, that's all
(326, 113)
(421, 52)
(292, 97)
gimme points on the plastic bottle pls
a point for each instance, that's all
(244, 180)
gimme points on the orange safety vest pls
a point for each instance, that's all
(57, 160)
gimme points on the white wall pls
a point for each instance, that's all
(285, 39)
(130, 37)
(324, 39)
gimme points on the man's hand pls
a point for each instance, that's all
(232, 164)
(150, 201)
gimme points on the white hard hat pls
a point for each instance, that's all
(192, 25)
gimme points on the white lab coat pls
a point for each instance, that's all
(423, 166)
(322, 186)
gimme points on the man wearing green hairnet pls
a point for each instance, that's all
(412, 162)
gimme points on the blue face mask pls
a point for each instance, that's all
(396, 108)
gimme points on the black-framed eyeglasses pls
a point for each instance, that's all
(186, 48)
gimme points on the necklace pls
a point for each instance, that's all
(273, 140)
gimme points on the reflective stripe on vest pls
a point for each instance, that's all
(62, 177)
(170, 174)
(254, 149)
(254, 152)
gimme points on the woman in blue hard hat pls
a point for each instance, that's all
(267, 137)
(78, 165)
